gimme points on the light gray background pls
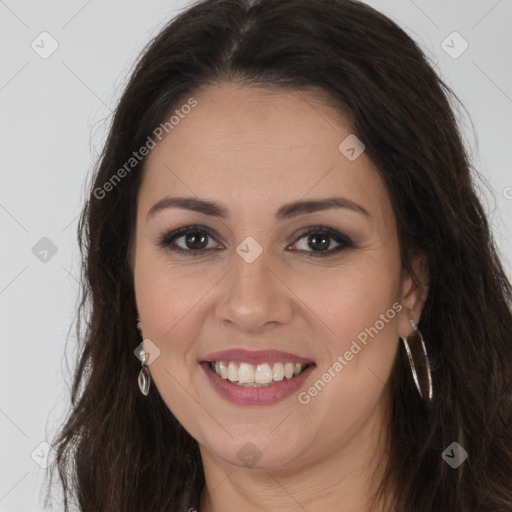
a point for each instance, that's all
(54, 117)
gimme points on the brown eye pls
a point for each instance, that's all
(195, 240)
(319, 239)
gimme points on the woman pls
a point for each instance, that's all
(283, 228)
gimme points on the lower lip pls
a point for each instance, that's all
(242, 395)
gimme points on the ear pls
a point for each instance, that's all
(140, 327)
(414, 293)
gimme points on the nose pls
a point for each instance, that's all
(254, 296)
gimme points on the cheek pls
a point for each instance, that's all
(166, 297)
(360, 354)
(361, 308)
(354, 297)
(168, 306)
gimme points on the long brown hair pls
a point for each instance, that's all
(119, 451)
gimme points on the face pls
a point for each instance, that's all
(279, 286)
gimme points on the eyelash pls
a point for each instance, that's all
(166, 240)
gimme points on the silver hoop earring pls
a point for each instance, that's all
(419, 362)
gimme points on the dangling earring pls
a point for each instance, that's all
(144, 379)
(420, 370)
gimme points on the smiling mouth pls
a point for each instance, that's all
(257, 375)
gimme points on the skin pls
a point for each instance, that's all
(252, 150)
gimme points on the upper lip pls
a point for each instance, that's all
(255, 356)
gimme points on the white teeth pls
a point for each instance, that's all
(278, 372)
(263, 374)
(223, 369)
(232, 372)
(289, 368)
(246, 374)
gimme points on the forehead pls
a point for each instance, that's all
(254, 148)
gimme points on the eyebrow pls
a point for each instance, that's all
(286, 211)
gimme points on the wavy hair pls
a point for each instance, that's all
(118, 451)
